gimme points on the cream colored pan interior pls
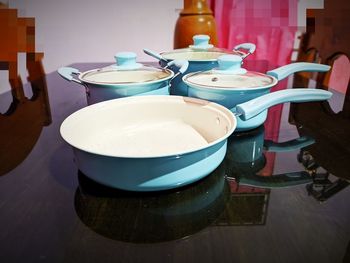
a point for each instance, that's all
(148, 126)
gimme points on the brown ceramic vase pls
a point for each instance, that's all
(195, 18)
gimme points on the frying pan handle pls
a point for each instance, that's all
(68, 72)
(287, 146)
(284, 71)
(253, 107)
(248, 46)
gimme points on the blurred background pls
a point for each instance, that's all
(93, 31)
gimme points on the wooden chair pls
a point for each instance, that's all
(327, 122)
(21, 124)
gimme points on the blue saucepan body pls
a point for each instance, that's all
(230, 98)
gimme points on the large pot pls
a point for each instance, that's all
(123, 79)
(230, 85)
(201, 56)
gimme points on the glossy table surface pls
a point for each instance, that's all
(280, 195)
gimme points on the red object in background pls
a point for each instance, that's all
(235, 187)
(273, 121)
(270, 24)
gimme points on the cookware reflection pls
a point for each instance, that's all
(246, 157)
(324, 185)
(330, 129)
(246, 149)
(247, 205)
(151, 217)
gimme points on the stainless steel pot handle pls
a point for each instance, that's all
(68, 72)
(247, 46)
(181, 64)
(154, 54)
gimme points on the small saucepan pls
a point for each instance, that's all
(248, 92)
(125, 78)
(201, 56)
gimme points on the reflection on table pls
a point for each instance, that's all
(267, 175)
(154, 216)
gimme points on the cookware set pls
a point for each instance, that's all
(158, 142)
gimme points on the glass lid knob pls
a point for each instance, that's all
(126, 61)
(201, 42)
(230, 64)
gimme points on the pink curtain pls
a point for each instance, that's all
(270, 24)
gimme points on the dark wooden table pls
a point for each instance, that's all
(287, 202)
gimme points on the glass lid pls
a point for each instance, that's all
(197, 55)
(201, 50)
(126, 71)
(230, 75)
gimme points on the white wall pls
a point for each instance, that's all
(70, 31)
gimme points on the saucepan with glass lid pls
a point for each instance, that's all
(125, 78)
(247, 93)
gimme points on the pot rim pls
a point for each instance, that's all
(122, 85)
(208, 87)
(232, 120)
(213, 50)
